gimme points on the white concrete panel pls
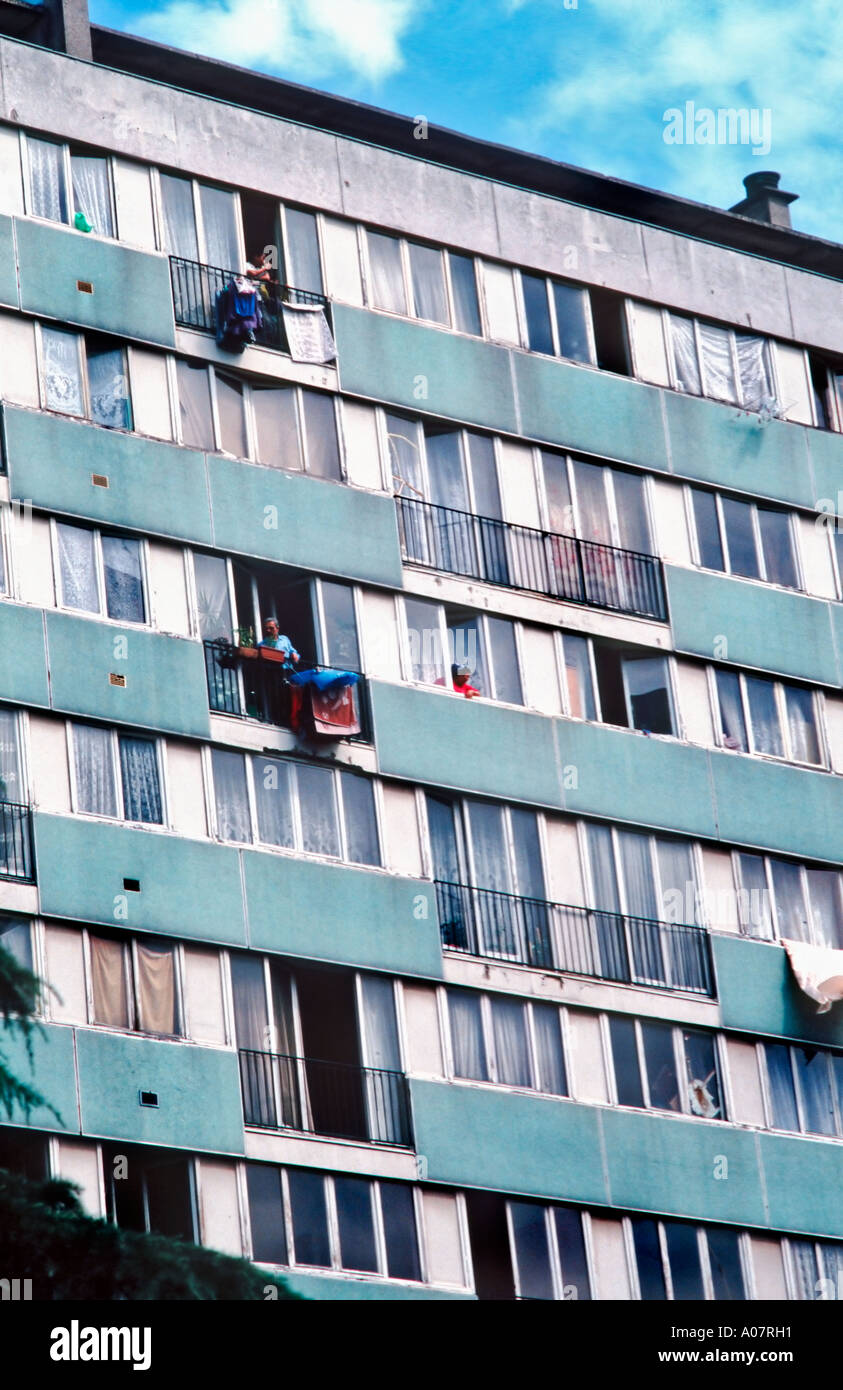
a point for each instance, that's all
(499, 295)
(219, 1210)
(33, 559)
(694, 702)
(11, 174)
(168, 587)
(362, 452)
(150, 387)
(768, 1268)
(672, 540)
(541, 677)
(518, 484)
(834, 729)
(588, 1069)
(79, 1162)
(133, 192)
(402, 843)
(424, 1043)
(203, 995)
(815, 552)
(48, 763)
(574, 242)
(185, 789)
(343, 279)
(794, 382)
(816, 306)
(18, 361)
(747, 1099)
(610, 1259)
(564, 879)
(720, 898)
(648, 345)
(442, 1239)
(381, 648)
(67, 1001)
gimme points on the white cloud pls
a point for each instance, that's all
(306, 38)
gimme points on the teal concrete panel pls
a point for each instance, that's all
(8, 265)
(804, 1179)
(758, 993)
(23, 655)
(583, 408)
(198, 1092)
(452, 742)
(778, 807)
(752, 624)
(424, 369)
(165, 686)
(187, 887)
(836, 611)
(658, 1163)
(152, 486)
(324, 1288)
(131, 289)
(825, 448)
(508, 1143)
(329, 912)
(51, 1072)
(716, 443)
(298, 520)
(629, 777)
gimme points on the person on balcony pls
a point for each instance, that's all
(462, 686)
(274, 637)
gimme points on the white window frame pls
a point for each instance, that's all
(780, 689)
(733, 332)
(490, 1058)
(771, 891)
(679, 1061)
(761, 577)
(96, 532)
(701, 1230)
(68, 151)
(121, 819)
(551, 1236)
(129, 945)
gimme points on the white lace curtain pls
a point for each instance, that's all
(11, 788)
(62, 371)
(93, 755)
(387, 287)
(77, 568)
(109, 388)
(141, 786)
(47, 183)
(123, 579)
(212, 597)
(179, 218)
(231, 797)
(92, 191)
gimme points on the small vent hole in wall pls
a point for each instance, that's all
(131, 885)
(99, 480)
(115, 679)
(148, 1098)
(84, 287)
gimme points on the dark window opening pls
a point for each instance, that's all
(149, 1190)
(490, 1253)
(611, 342)
(24, 1154)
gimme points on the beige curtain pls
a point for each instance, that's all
(108, 974)
(156, 989)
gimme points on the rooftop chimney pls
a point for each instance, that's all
(764, 200)
(69, 27)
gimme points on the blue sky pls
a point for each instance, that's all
(584, 81)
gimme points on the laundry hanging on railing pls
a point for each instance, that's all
(818, 971)
(308, 335)
(238, 315)
(326, 702)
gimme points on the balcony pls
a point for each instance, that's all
(195, 290)
(251, 683)
(16, 858)
(333, 1099)
(574, 940)
(539, 562)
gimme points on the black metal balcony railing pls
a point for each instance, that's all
(336, 1100)
(16, 858)
(540, 562)
(576, 940)
(195, 290)
(250, 684)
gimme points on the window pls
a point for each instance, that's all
(443, 637)
(302, 806)
(582, 324)
(665, 1068)
(548, 1251)
(495, 1038)
(305, 1218)
(16, 938)
(149, 1190)
(99, 572)
(287, 427)
(768, 717)
(626, 687)
(69, 185)
(424, 282)
(681, 1262)
(12, 781)
(726, 365)
(815, 1268)
(793, 902)
(596, 503)
(744, 539)
(827, 391)
(303, 261)
(115, 775)
(83, 374)
(199, 222)
(135, 984)
(804, 1089)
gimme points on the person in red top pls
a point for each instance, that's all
(459, 676)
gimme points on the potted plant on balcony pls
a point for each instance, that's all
(246, 642)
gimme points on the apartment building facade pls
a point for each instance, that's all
(405, 994)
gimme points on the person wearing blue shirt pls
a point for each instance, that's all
(273, 637)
